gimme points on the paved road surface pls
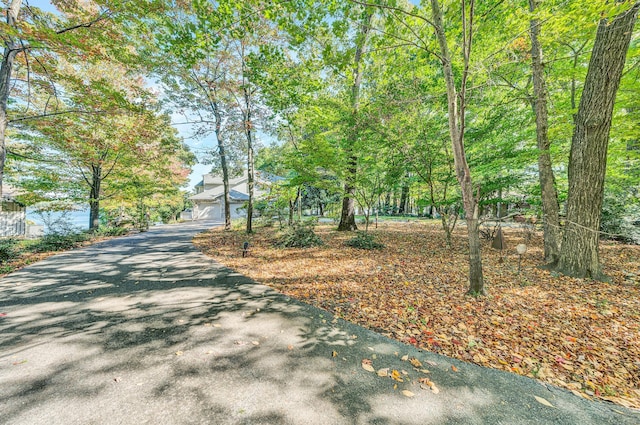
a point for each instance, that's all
(146, 330)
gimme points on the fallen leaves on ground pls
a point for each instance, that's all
(367, 365)
(415, 363)
(426, 383)
(575, 333)
(543, 401)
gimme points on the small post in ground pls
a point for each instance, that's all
(522, 249)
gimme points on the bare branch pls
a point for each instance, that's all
(396, 9)
(113, 165)
(105, 15)
(73, 111)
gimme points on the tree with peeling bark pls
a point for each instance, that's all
(579, 255)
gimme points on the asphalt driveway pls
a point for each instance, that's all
(146, 330)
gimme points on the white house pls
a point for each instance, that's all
(13, 216)
(208, 202)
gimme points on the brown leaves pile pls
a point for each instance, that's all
(577, 334)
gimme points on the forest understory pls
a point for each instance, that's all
(581, 335)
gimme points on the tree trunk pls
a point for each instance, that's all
(248, 127)
(250, 172)
(404, 197)
(549, 195)
(292, 208)
(11, 49)
(299, 201)
(94, 198)
(445, 227)
(588, 157)
(456, 108)
(348, 217)
(387, 204)
(223, 165)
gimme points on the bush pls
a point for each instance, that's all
(59, 242)
(9, 249)
(238, 224)
(618, 220)
(300, 235)
(364, 240)
(112, 231)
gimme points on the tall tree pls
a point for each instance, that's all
(199, 86)
(247, 108)
(347, 216)
(456, 105)
(549, 194)
(588, 158)
(12, 47)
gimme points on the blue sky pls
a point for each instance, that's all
(42, 4)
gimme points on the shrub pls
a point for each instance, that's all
(300, 235)
(59, 242)
(9, 249)
(364, 240)
(238, 224)
(619, 220)
(112, 231)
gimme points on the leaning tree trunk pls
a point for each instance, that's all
(348, 215)
(549, 195)
(11, 49)
(588, 157)
(456, 109)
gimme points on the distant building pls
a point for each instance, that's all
(208, 202)
(13, 217)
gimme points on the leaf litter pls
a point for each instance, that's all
(574, 333)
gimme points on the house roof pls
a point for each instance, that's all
(238, 196)
(268, 177)
(260, 176)
(217, 193)
(212, 179)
